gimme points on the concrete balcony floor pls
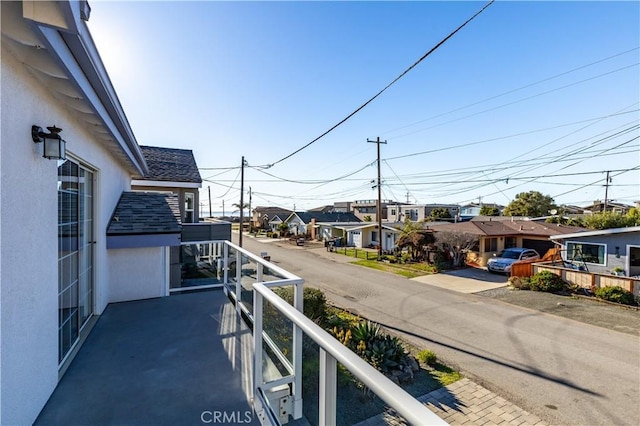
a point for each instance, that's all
(174, 360)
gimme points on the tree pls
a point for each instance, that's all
(607, 220)
(456, 244)
(283, 228)
(367, 218)
(440, 213)
(415, 239)
(489, 211)
(532, 204)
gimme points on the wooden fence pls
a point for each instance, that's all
(590, 280)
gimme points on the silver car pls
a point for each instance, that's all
(502, 262)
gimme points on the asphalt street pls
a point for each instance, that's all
(563, 371)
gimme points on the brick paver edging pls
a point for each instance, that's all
(465, 403)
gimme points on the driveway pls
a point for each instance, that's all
(468, 280)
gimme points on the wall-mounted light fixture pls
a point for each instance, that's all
(54, 145)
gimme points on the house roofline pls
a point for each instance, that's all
(72, 47)
(609, 231)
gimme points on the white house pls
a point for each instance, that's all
(366, 234)
(73, 236)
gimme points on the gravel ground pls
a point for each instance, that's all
(578, 308)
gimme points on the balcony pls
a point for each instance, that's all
(189, 358)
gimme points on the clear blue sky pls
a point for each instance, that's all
(529, 96)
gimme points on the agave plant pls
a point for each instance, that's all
(365, 332)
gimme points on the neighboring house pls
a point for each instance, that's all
(175, 171)
(418, 212)
(322, 209)
(369, 208)
(74, 235)
(471, 210)
(304, 223)
(497, 235)
(268, 217)
(364, 234)
(599, 206)
(603, 250)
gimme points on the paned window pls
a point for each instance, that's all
(490, 244)
(587, 252)
(75, 253)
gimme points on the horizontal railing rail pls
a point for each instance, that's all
(333, 351)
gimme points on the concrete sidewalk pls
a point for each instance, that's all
(468, 280)
(465, 403)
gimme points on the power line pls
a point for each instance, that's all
(384, 89)
(511, 91)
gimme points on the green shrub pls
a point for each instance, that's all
(616, 294)
(546, 281)
(314, 301)
(520, 283)
(428, 357)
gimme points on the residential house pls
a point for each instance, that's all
(322, 209)
(365, 209)
(264, 217)
(366, 234)
(496, 235)
(418, 212)
(174, 171)
(599, 206)
(304, 223)
(74, 235)
(471, 210)
(602, 251)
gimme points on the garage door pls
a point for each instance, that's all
(541, 246)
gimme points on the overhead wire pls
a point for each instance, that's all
(384, 89)
(508, 92)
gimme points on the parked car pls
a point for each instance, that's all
(502, 261)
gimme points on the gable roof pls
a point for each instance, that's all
(306, 217)
(170, 165)
(508, 228)
(145, 213)
(272, 212)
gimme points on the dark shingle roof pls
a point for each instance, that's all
(170, 164)
(145, 213)
(328, 217)
(494, 228)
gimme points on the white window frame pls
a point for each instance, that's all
(605, 254)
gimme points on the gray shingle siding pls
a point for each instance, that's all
(170, 164)
(145, 213)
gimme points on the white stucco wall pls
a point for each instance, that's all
(137, 273)
(29, 240)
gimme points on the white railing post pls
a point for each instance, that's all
(257, 342)
(225, 264)
(238, 280)
(328, 389)
(259, 272)
(298, 304)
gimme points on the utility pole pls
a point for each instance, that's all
(250, 213)
(407, 197)
(222, 208)
(606, 192)
(210, 213)
(379, 206)
(241, 201)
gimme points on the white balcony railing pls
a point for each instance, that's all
(250, 286)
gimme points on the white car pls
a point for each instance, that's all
(503, 261)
